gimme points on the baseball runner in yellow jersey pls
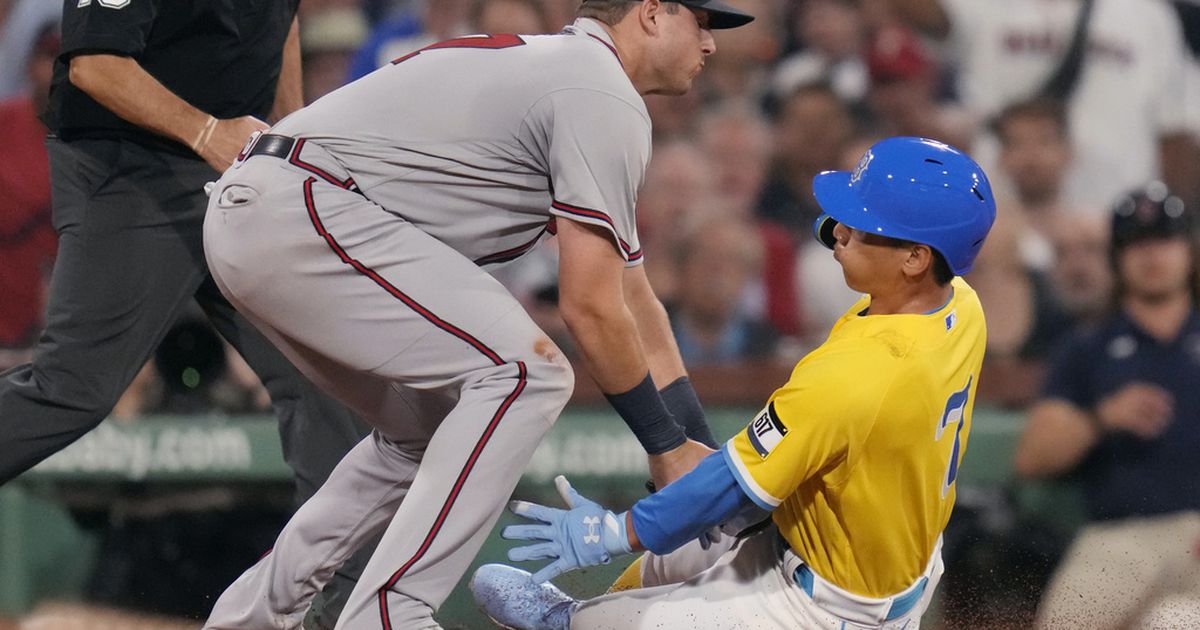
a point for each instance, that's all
(855, 457)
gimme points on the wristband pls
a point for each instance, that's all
(681, 400)
(204, 135)
(643, 410)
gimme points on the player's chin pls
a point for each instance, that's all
(678, 89)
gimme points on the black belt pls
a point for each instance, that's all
(273, 145)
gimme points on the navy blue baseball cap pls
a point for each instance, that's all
(720, 15)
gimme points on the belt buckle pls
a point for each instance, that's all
(249, 146)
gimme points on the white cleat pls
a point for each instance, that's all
(509, 597)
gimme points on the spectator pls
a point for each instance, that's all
(19, 28)
(822, 292)
(409, 30)
(510, 16)
(679, 183)
(813, 127)
(1081, 278)
(27, 239)
(1128, 103)
(328, 41)
(719, 260)
(1120, 409)
(1024, 319)
(833, 35)
(1035, 155)
(903, 90)
(741, 70)
(739, 143)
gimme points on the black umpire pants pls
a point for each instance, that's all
(130, 259)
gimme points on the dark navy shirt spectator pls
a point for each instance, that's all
(1121, 411)
(1126, 474)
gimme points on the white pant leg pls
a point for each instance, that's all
(748, 588)
(745, 589)
(683, 563)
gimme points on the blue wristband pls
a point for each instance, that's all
(642, 408)
(683, 403)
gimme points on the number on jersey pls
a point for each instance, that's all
(956, 409)
(486, 42)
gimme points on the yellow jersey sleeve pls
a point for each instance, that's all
(812, 423)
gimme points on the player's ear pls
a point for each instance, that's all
(919, 261)
(649, 13)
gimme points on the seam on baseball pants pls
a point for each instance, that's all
(466, 337)
(444, 512)
(384, 284)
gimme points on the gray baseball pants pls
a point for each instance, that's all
(130, 260)
(458, 382)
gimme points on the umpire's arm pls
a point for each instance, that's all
(123, 86)
(289, 91)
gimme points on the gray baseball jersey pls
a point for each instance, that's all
(478, 141)
(360, 251)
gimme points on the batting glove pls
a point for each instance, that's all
(585, 535)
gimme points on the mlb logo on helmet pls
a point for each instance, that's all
(863, 163)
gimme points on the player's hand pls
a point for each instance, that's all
(710, 537)
(583, 536)
(675, 463)
(227, 140)
(1142, 409)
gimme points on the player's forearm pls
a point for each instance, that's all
(1056, 438)
(662, 355)
(608, 340)
(707, 497)
(289, 92)
(121, 85)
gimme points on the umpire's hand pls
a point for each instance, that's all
(585, 535)
(228, 137)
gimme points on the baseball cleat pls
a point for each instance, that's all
(509, 598)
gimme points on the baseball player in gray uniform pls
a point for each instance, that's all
(358, 235)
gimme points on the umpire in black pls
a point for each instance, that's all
(150, 100)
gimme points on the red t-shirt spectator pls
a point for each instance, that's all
(27, 238)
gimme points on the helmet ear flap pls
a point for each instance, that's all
(823, 230)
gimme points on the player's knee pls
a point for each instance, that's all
(551, 377)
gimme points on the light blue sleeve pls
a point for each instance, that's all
(700, 500)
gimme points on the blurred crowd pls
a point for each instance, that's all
(1068, 109)
(727, 203)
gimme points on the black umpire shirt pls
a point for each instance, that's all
(1125, 475)
(220, 56)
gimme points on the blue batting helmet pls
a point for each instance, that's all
(911, 189)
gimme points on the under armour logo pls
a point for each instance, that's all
(593, 525)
